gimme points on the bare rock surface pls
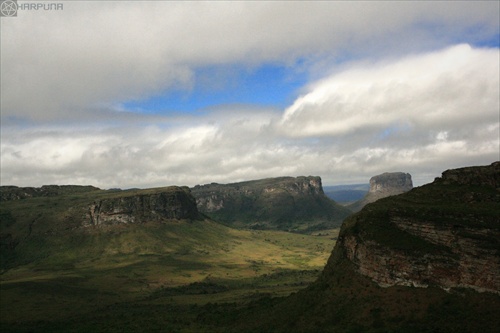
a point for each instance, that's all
(444, 234)
(384, 185)
(285, 203)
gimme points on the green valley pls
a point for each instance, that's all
(60, 271)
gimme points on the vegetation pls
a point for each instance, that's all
(201, 276)
(290, 204)
(343, 300)
(59, 275)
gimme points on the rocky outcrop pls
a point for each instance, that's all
(390, 183)
(427, 260)
(169, 203)
(481, 176)
(445, 234)
(285, 203)
(16, 193)
(384, 185)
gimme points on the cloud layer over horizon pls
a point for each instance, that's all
(391, 87)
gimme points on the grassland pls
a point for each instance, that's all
(152, 276)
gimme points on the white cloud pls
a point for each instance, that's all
(61, 64)
(420, 113)
(431, 91)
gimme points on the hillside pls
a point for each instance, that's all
(286, 203)
(93, 260)
(427, 260)
(424, 261)
(16, 193)
(37, 226)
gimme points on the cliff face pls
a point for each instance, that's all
(57, 220)
(427, 260)
(283, 203)
(390, 183)
(444, 234)
(384, 185)
(171, 203)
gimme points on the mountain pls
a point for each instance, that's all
(95, 260)
(346, 194)
(425, 261)
(286, 203)
(37, 222)
(384, 185)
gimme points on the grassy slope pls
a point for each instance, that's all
(344, 301)
(62, 277)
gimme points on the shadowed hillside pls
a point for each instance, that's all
(286, 203)
(424, 261)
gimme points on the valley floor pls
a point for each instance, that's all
(161, 289)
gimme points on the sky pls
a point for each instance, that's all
(157, 93)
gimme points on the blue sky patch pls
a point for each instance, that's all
(273, 86)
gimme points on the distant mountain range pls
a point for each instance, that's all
(346, 194)
(424, 260)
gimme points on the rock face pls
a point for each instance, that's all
(171, 203)
(57, 221)
(285, 203)
(427, 260)
(445, 234)
(390, 183)
(384, 185)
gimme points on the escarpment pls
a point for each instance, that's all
(427, 260)
(445, 234)
(80, 213)
(169, 203)
(285, 203)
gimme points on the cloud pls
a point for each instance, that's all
(63, 65)
(455, 89)
(221, 146)
(420, 114)
(380, 97)
(424, 109)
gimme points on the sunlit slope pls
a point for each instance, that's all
(57, 233)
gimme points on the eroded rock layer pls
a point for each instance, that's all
(384, 185)
(287, 203)
(172, 203)
(444, 234)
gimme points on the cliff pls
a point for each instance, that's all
(40, 226)
(425, 261)
(382, 186)
(286, 203)
(169, 203)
